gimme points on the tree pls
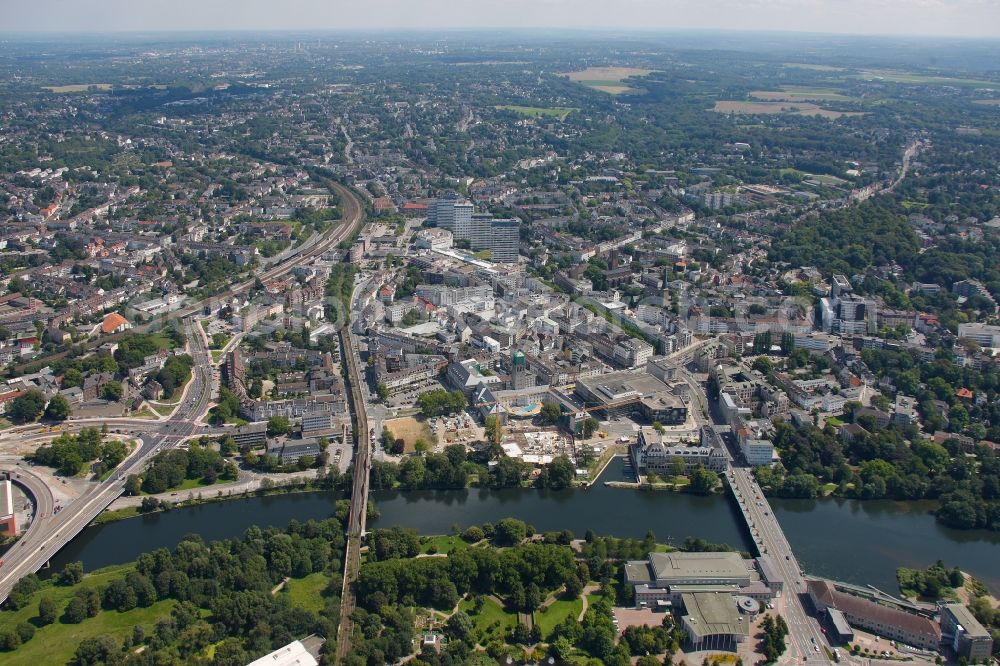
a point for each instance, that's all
(112, 391)
(27, 407)
(509, 531)
(71, 574)
(383, 391)
(278, 425)
(551, 412)
(72, 377)
(703, 481)
(76, 611)
(47, 611)
(494, 430)
(96, 651)
(589, 427)
(763, 365)
(459, 627)
(133, 485)
(58, 408)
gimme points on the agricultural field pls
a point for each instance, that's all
(795, 108)
(559, 112)
(607, 79)
(817, 68)
(801, 93)
(78, 87)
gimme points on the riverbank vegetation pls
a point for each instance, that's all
(888, 464)
(169, 470)
(493, 590)
(455, 468)
(192, 605)
(933, 583)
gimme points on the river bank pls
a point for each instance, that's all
(848, 540)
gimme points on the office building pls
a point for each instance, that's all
(983, 335)
(897, 625)
(482, 232)
(969, 638)
(453, 213)
(504, 240)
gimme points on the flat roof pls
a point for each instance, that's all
(637, 572)
(614, 386)
(840, 622)
(668, 566)
(6, 498)
(964, 617)
(713, 613)
(293, 654)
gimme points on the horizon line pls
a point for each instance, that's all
(635, 30)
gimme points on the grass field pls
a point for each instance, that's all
(818, 68)
(607, 79)
(443, 544)
(307, 592)
(491, 622)
(895, 76)
(795, 108)
(801, 93)
(410, 430)
(548, 617)
(56, 643)
(824, 179)
(118, 514)
(559, 112)
(163, 410)
(78, 87)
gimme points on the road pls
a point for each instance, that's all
(804, 633)
(38, 545)
(806, 642)
(49, 535)
(357, 516)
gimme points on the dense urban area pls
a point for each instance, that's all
(476, 265)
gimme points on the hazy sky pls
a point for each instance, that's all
(973, 18)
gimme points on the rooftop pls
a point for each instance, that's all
(698, 565)
(713, 613)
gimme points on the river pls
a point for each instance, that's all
(858, 542)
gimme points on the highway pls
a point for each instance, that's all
(357, 516)
(45, 538)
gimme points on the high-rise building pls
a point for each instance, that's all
(505, 240)
(453, 213)
(481, 231)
